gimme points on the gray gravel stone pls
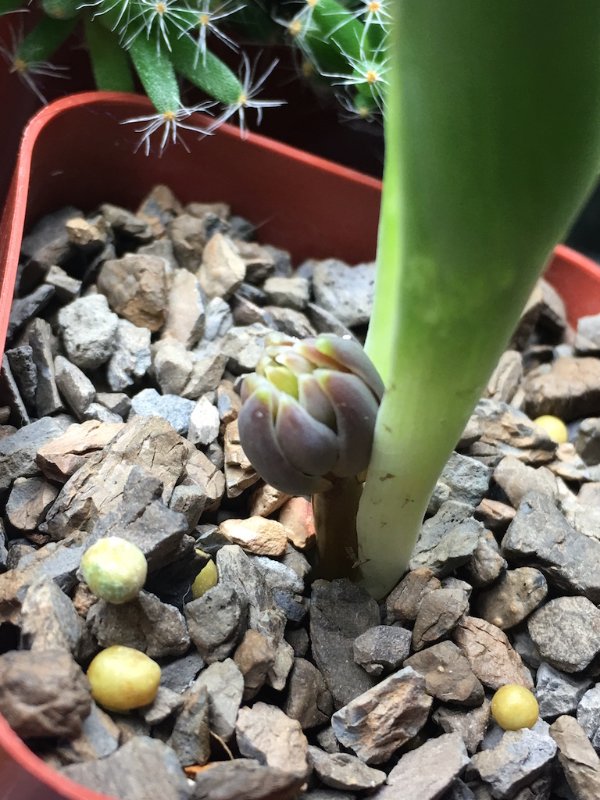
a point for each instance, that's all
(347, 292)
(140, 769)
(74, 385)
(145, 623)
(289, 292)
(382, 648)
(185, 308)
(517, 480)
(519, 758)
(204, 422)
(463, 480)
(28, 502)
(439, 612)
(470, 724)
(540, 536)
(175, 410)
(131, 357)
(569, 388)
(88, 328)
(428, 771)
(264, 732)
(309, 700)
(165, 704)
(343, 771)
(218, 319)
(190, 738)
(403, 602)
(18, 450)
(171, 365)
(66, 287)
(47, 241)
(587, 442)
(216, 622)
(41, 339)
(558, 693)
(486, 563)
(588, 715)
(378, 722)
(448, 539)
(25, 308)
(99, 412)
(567, 632)
(224, 684)
(179, 674)
(245, 346)
(340, 611)
(48, 618)
(245, 778)
(24, 372)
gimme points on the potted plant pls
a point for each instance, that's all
(428, 226)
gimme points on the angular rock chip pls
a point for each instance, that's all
(256, 535)
(49, 620)
(141, 769)
(403, 602)
(578, 759)
(347, 292)
(377, 723)
(28, 502)
(136, 288)
(222, 270)
(60, 457)
(513, 597)
(470, 725)
(343, 771)
(145, 623)
(309, 700)
(558, 693)
(18, 450)
(566, 632)
(216, 622)
(244, 777)
(131, 357)
(340, 611)
(88, 328)
(448, 676)
(569, 389)
(490, 654)
(190, 738)
(540, 536)
(264, 732)
(382, 648)
(438, 614)
(519, 758)
(224, 684)
(429, 770)
(43, 693)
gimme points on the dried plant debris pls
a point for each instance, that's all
(118, 417)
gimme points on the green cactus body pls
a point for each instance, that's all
(61, 9)
(43, 40)
(209, 73)
(157, 74)
(110, 63)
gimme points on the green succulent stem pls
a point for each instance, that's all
(110, 62)
(492, 144)
(335, 522)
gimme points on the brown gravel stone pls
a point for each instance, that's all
(256, 535)
(43, 693)
(239, 472)
(266, 500)
(309, 700)
(245, 778)
(490, 654)
(297, 518)
(254, 657)
(448, 676)
(222, 270)
(378, 722)
(513, 598)
(569, 389)
(28, 501)
(495, 515)
(470, 724)
(61, 457)
(136, 288)
(578, 759)
(404, 601)
(438, 614)
(264, 732)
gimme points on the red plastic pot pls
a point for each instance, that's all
(77, 151)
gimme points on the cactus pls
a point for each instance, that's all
(163, 40)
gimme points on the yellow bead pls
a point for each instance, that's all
(205, 580)
(554, 427)
(122, 678)
(514, 707)
(114, 569)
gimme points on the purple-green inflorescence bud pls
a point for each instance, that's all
(308, 412)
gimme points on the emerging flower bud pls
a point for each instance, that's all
(309, 411)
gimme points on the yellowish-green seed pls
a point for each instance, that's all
(114, 569)
(205, 579)
(554, 427)
(123, 678)
(514, 707)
